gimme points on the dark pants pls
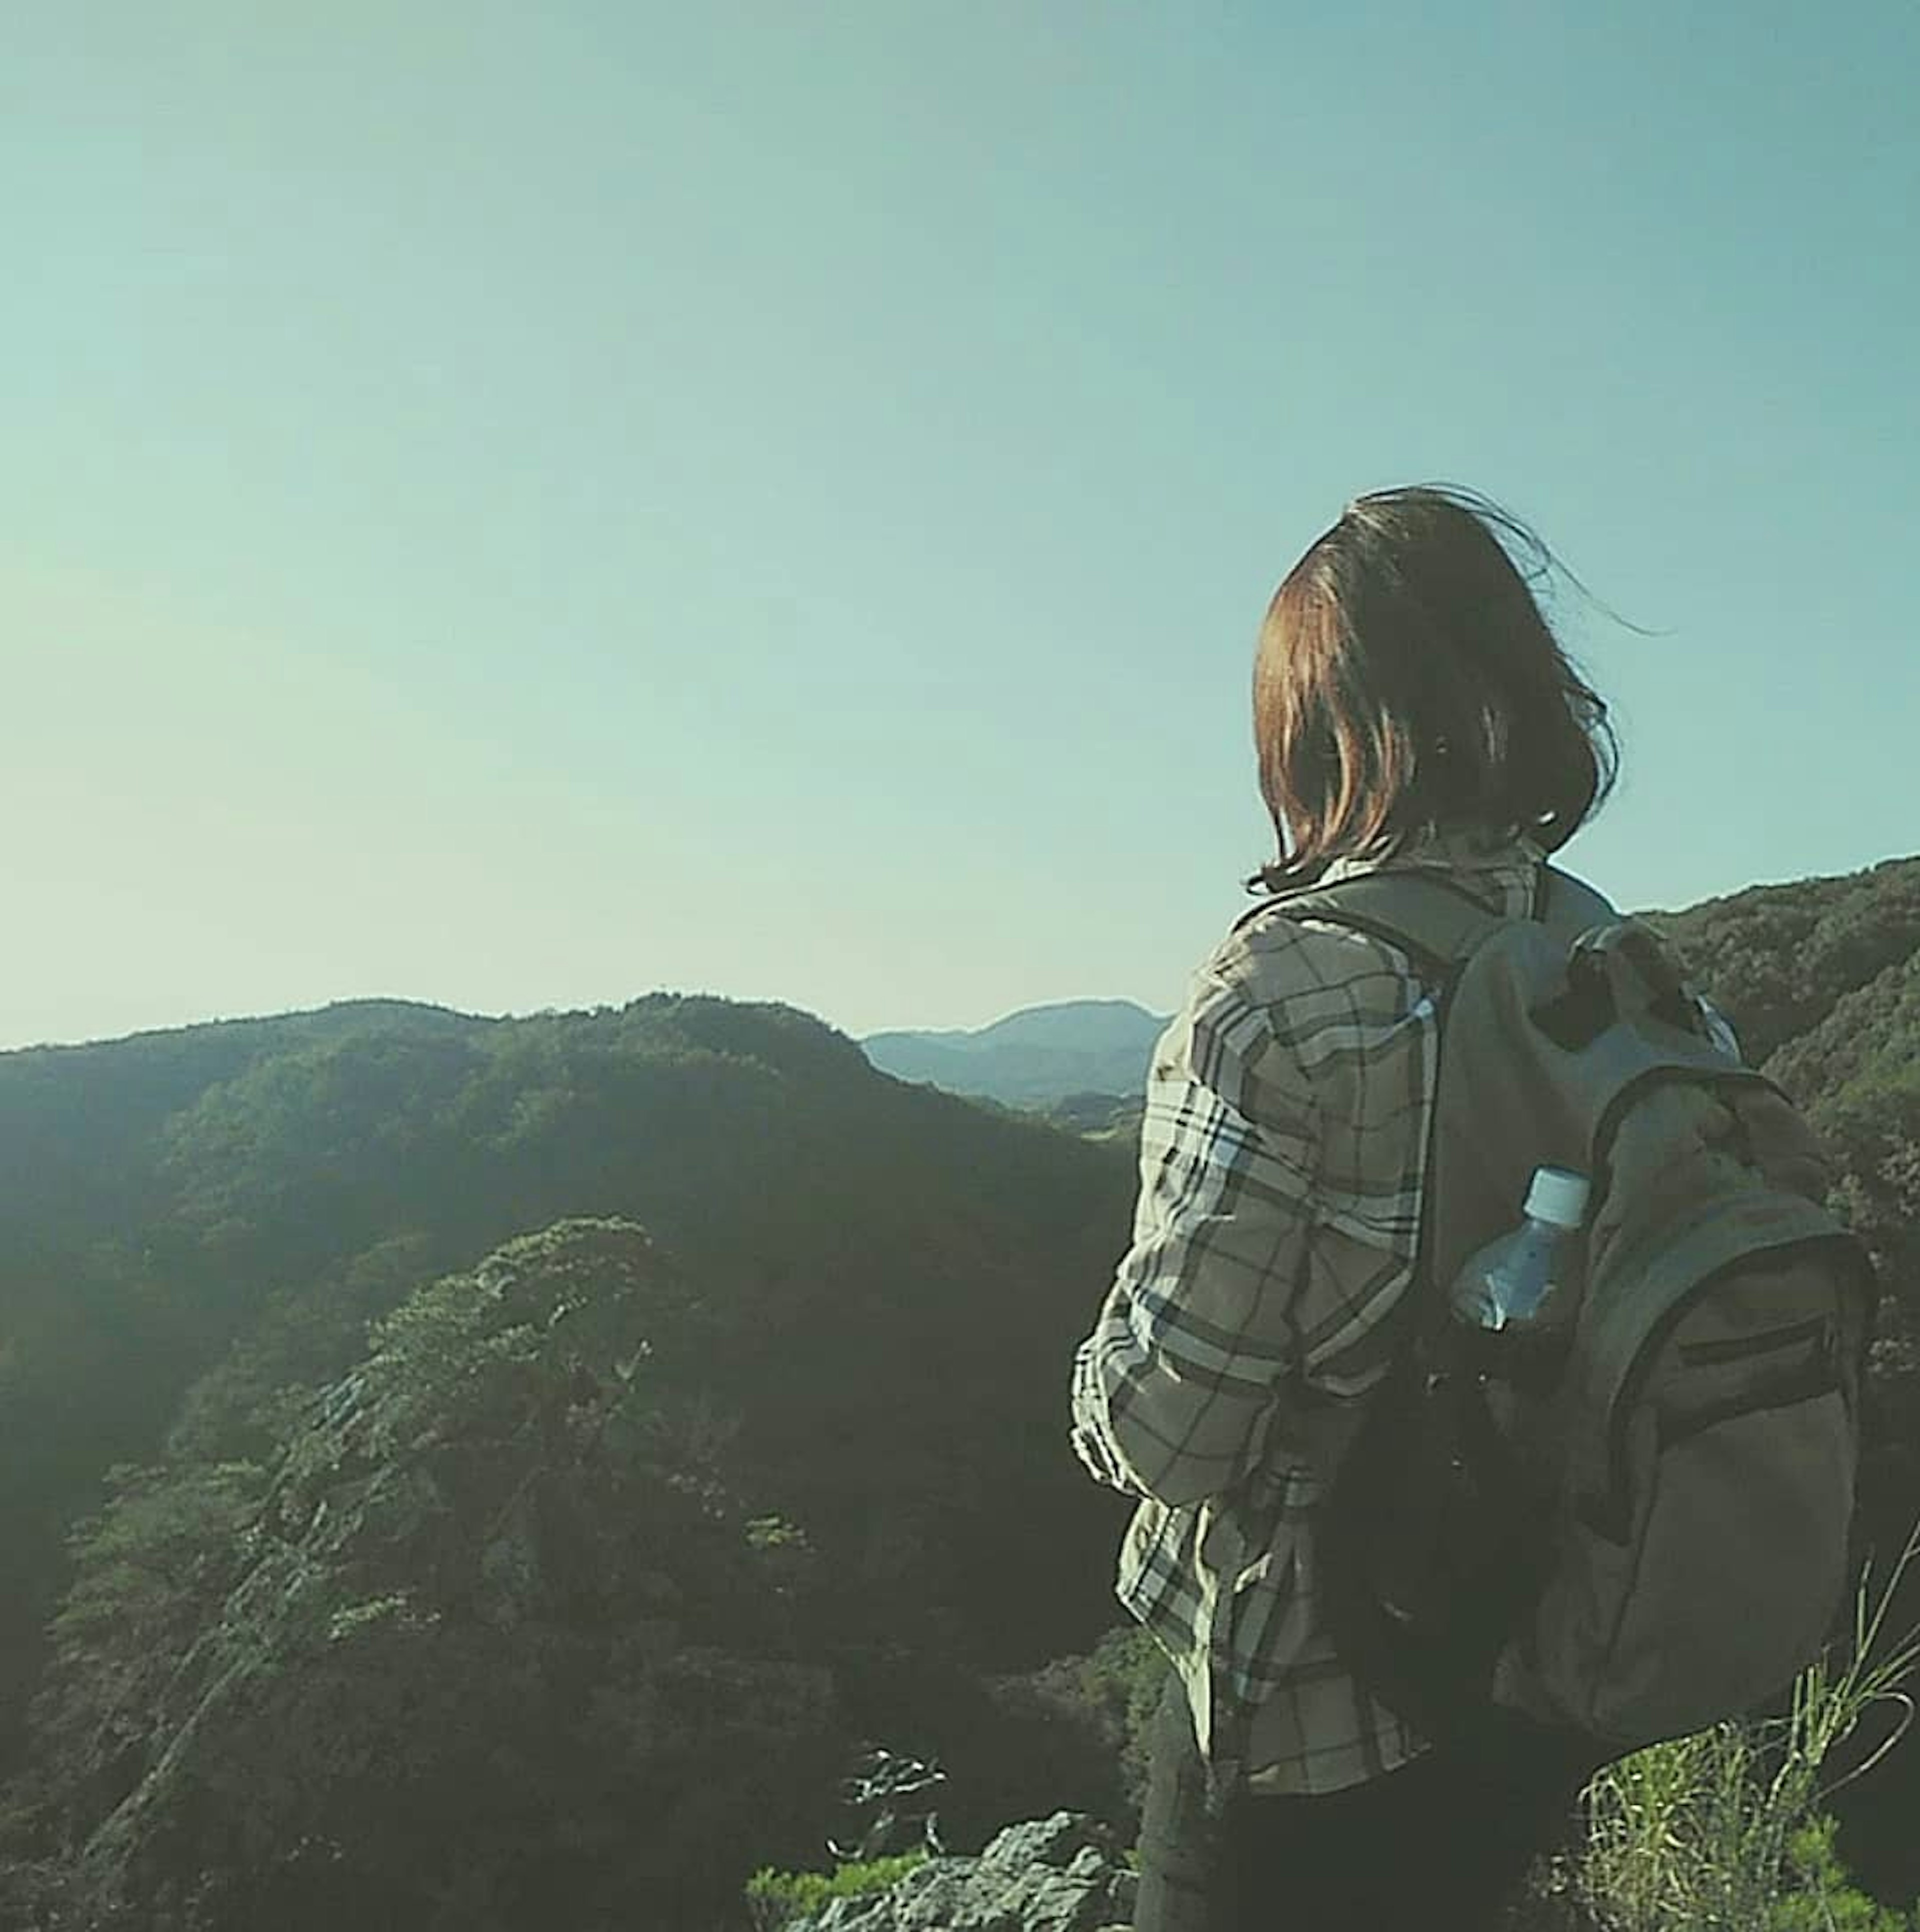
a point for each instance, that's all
(1438, 1846)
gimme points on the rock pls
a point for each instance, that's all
(447, 1614)
(1065, 1874)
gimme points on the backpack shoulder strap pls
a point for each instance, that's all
(1435, 918)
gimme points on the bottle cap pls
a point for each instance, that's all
(1558, 1196)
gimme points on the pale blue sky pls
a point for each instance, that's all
(519, 507)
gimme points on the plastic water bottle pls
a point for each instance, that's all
(1510, 1282)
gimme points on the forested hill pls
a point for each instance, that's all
(1821, 981)
(886, 1286)
(497, 1467)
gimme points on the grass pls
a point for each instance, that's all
(1724, 1831)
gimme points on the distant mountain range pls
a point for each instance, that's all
(1035, 1058)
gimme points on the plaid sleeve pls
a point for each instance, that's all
(1174, 1389)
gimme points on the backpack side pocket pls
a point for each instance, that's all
(1715, 1575)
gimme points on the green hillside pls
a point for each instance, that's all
(497, 1469)
(871, 1261)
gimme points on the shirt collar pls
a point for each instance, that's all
(1456, 849)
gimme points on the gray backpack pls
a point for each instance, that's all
(1642, 1526)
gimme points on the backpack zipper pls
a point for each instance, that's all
(1611, 1516)
(1817, 1377)
(1737, 1347)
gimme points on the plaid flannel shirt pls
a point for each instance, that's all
(1281, 1158)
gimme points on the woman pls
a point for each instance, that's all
(1411, 709)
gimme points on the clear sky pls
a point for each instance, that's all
(520, 506)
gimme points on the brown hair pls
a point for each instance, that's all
(1406, 682)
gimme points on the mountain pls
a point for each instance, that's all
(501, 1468)
(206, 1236)
(1033, 1058)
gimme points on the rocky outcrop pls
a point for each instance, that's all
(1065, 1874)
(495, 1639)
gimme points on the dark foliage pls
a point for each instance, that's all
(486, 1610)
(872, 1261)
(1779, 958)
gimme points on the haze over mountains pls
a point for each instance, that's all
(1033, 1058)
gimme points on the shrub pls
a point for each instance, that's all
(1821, 1900)
(1111, 1694)
(774, 1898)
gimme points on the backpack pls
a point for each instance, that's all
(1630, 1528)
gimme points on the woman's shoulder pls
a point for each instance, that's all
(1293, 1018)
(1277, 952)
